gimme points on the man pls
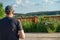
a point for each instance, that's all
(10, 28)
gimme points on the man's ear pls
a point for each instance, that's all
(12, 11)
(6, 12)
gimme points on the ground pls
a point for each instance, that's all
(42, 36)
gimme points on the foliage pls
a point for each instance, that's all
(1, 11)
(27, 26)
(43, 25)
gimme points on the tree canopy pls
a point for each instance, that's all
(2, 13)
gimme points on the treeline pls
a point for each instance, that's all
(44, 13)
(39, 13)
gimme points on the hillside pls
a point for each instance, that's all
(44, 13)
(39, 13)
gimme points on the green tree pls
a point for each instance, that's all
(2, 13)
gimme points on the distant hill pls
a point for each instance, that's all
(39, 13)
(44, 13)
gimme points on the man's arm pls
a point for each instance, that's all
(21, 34)
(20, 30)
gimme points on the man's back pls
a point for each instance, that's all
(8, 29)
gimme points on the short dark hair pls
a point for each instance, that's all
(8, 9)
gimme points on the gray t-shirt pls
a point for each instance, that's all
(9, 28)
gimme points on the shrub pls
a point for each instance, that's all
(58, 27)
(42, 25)
(26, 26)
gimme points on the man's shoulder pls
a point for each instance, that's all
(14, 19)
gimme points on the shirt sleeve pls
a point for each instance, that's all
(19, 25)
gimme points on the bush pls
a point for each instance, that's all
(58, 27)
(43, 25)
(28, 26)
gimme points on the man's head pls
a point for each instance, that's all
(9, 10)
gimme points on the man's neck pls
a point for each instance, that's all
(9, 16)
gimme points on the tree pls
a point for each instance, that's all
(2, 13)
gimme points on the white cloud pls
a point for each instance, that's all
(52, 2)
(46, 1)
(27, 1)
(18, 2)
(55, 0)
(14, 5)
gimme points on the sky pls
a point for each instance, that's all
(26, 6)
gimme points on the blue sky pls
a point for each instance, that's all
(25, 6)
